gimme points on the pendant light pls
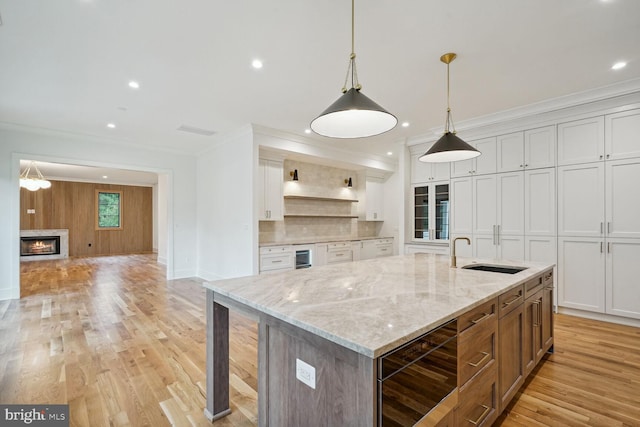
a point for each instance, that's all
(449, 148)
(353, 115)
(31, 183)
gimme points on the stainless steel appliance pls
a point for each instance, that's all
(417, 377)
(304, 256)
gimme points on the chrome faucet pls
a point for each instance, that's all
(453, 249)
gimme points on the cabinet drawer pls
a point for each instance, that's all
(485, 313)
(342, 255)
(276, 262)
(510, 300)
(478, 399)
(274, 249)
(384, 250)
(384, 241)
(548, 278)
(338, 245)
(476, 349)
(534, 285)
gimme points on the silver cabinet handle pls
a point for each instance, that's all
(601, 247)
(607, 156)
(609, 247)
(494, 235)
(601, 156)
(601, 227)
(608, 227)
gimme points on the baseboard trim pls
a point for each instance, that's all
(600, 316)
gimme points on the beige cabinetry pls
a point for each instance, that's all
(270, 191)
(275, 258)
(375, 248)
(538, 320)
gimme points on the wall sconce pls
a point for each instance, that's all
(294, 174)
(348, 182)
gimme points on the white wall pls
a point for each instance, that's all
(21, 142)
(163, 217)
(227, 224)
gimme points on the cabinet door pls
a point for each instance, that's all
(623, 273)
(532, 342)
(484, 204)
(440, 171)
(540, 202)
(581, 273)
(546, 323)
(374, 201)
(510, 203)
(274, 193)
(622, 199)
(421, 212)
(510, 152)
(441, 211)
(368, 249)
(540, 249)
(484, 247)
(510, 338)
(263, 213)
(540, 148)
(581, 200)
(623, 135)
(487, 161)
(462, 168)
(461, 214)
(511, 247)
(581, 141)
(420, 171)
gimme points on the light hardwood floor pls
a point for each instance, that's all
(124, 346)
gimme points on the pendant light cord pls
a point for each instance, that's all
(449, 121)
(351, 68)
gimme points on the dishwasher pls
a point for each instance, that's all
(418, 377)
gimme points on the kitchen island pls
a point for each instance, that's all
(324, 331)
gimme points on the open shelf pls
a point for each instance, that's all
(326, 199)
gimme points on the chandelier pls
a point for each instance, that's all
(31, 178)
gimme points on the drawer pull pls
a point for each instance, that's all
(485, 355)
(508, 303)
(276, 260)
(339, 254)
(484, 316)
(482, 416)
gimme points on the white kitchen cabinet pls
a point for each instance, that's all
(499, 204)
(442, 249)
(622, 205)
(623, 270)
(540, 249)
(356, 250)
(485, 202)
(270, 196)
(376, 248)
(531, 149)
(483, 164)
(371, 206)
(581, 273)
(581, 200)
(461, 213)
(431, 211)
(540, 202)
(422, 172)
(499, 247)
(581, 141)
(320, 254)
(622, 138)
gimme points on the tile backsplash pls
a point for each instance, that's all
(318, 181)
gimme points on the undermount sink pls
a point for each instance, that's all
(506, 269)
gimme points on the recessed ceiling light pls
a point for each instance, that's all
(405, 124)
(104, 177)
(134, 84)
(256, 63)
(389, 153)
(618, 65)
(307, 131)
(111, 125)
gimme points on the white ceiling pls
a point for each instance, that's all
(67, 172)
(65, 64)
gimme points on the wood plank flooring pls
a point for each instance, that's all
(125, 347)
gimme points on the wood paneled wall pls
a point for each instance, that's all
(71, 205)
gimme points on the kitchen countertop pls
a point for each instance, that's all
(375, 305)
(310, 241)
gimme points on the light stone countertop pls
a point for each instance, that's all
(310, 241)
(376, 305)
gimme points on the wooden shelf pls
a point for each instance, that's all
(319, 216)
(326, 199)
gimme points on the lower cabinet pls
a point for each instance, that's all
(510, 336)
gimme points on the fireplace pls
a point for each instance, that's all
(36, 245)
(39, 245)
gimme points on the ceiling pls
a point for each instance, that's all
(66, 64)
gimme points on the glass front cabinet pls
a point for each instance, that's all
(431, 212)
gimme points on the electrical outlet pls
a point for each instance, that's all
(31, 211)
(306, 373)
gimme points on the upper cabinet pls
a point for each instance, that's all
(581, 141)
(622, 138)
(270, 193)
(371, 205)
(426, 172)
(483, 164)
(531, 149)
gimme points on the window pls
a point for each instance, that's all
(108, 209)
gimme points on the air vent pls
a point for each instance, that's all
(197, 131)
